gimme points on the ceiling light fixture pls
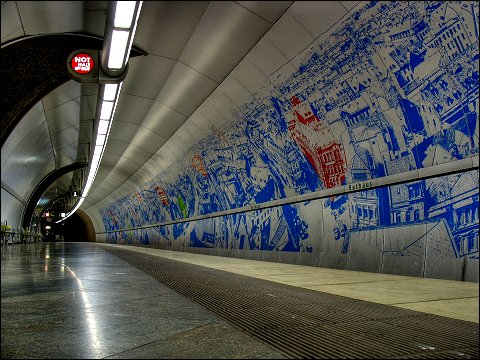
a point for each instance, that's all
(118, 40)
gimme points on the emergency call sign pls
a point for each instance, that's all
(82, 63)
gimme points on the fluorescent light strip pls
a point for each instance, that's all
(118, 49)
(100, 140)
(124, 14)
(140, 3)
(103, 127)
(110, 92)
(98, 150)
(106, 113)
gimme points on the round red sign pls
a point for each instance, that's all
(82, 63)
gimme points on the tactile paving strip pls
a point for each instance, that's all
(307, 324)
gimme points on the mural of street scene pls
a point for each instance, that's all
(392, 87)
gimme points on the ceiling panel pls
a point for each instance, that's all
(163, 120)
(70, 90)
(186, 89)
(132, 109)
(147, 140)
(349, 5)
(289, 36)
(95, 15)
(235, 90)
(147, 75)
(24, 165)
(11, 207)
(268, 10)
(63, 116)
(49, 17)
(249, 75)
(115, 147)
(225, 34)
(122, 131)
(101, 192)
(198, 125)
(157, 162)
(218, 108)
(136, 154)
(11, 23)
(66, 142)
(317, 19)
(184, 139)
(16, 34)
(172, 151)
(165, 27)
(138, 179)
(125, 167)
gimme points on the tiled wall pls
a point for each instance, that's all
(392, 87)
(425, 228)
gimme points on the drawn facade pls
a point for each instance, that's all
(369, 99)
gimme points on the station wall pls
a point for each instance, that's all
(391, 88)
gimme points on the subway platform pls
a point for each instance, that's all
(103, 301)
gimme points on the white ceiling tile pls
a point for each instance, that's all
(126, 167)
(235, 90)
(115, 147)
(185, 139)
(147, 75)
(62, 94)
(163, 120)
(65, 139)
(39, 17)
(185, 89)
(132, 109)
(165, 27)
(27, 153)
(122, 131)
(147, 140)
(249, 75)
(108, 162)
(16, 34)
(269, 10)
(223, 37)
(199, 125)
(217, 109)
(95, 20)
(317, 17)
(136, 154)
(349, 5)
(63, 116)
(289, 36)
(10, 20)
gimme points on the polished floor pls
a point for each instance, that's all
(80, 300)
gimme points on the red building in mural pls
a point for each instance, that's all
(197, 164)
(317, 144)
(162, 195)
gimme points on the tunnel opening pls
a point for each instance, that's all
(74, 229)
(78, 228)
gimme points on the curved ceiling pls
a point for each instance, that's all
(205, 61)
(192, 47)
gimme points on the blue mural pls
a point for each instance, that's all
(392, 87)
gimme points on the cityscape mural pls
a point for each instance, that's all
(390, 88)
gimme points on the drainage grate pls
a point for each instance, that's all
(302, 323)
